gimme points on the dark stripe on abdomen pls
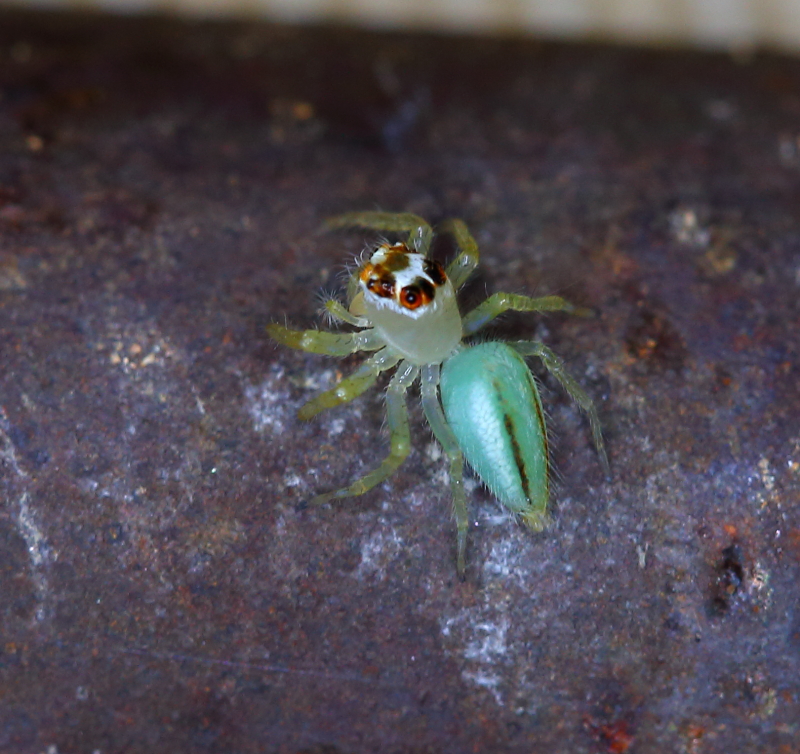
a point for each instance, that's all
(508, 422)
(543, 429)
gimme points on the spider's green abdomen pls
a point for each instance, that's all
(492, 404)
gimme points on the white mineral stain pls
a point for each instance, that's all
(481, 638)
(268, 403)
(8, 452)
(39, 551)
(377, 551)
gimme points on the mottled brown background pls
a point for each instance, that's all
(163, 585)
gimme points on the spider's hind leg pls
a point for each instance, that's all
(399, 436)
(556, 367)
(444, 435)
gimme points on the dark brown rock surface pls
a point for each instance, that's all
(165, 588)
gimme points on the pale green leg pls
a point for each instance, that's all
(337, 310)
(351, 387)
(502, 302)
(556, 367)
(446, 438)
(399, 437)
(467, 260)
(420, 233)
(328, 343)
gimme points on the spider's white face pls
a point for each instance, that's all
(402, 280)
(409, 300)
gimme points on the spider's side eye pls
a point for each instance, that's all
(419, 293)
(383, 288)
(435, 272)
(378, 280)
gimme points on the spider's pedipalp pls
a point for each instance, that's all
(337, 311)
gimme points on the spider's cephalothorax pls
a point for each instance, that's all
(405, 310)
(410, 302)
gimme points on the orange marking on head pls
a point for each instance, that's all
(377, 280)
(396, 257)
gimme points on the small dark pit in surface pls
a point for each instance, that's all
(728, 579)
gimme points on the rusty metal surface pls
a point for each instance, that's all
(164, 586)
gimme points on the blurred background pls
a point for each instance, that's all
(708, 23)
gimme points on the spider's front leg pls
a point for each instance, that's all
(399, 437)
(468, 256)
(420, 232)
(446, 438)
(351, 387)
(498, 303)
(556, 367)
(327, 343)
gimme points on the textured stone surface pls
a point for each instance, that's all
(164, 586)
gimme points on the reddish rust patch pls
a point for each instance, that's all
(615, 736)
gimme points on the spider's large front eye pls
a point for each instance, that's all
(417, 294)
(410, 297)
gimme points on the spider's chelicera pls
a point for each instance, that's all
(403, 306)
